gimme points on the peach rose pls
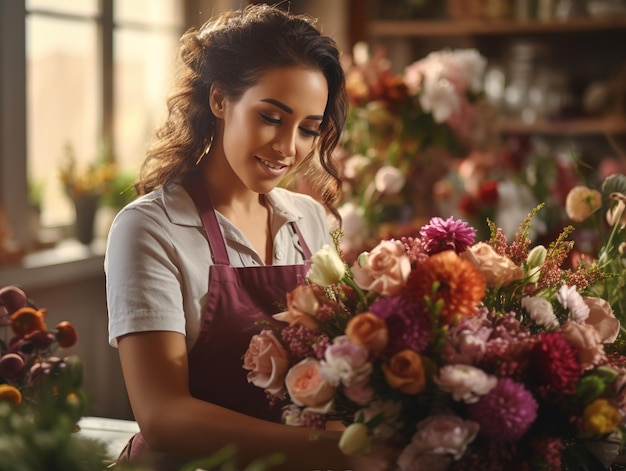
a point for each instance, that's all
(302, 307)
(601, 317)
(369, 331)
(405, 371)
(267, 361)
(586, 340)
(307, 387)
(497, 269)
(384, 270)
(581, 202)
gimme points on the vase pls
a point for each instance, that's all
(86, 207)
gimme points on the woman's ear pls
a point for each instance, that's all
(216, 101)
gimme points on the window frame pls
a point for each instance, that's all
(13, 96)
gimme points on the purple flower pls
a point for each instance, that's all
(447, 234)
(506, 412)
(408, 325)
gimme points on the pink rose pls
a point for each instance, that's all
(307, 387)
(302, 307)
(267, 361)
(384, 270)
(601, 317)
(497, 269)
(444, 434)
(586, 340)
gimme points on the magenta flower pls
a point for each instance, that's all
(506, 412)
(408, 326)
(447, 234)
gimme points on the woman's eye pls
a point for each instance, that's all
(309, 132)
(269, 119)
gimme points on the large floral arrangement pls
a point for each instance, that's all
(467, 355)
(400, 134)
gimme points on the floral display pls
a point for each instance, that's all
(401, 134)
(94, 180)
(28, 349)
(466, 354)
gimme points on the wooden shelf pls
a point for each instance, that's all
(572, 127)
(432, 28)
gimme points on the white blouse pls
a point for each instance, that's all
(157, 259)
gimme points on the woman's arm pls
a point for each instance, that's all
(172, 421)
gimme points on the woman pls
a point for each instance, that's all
(213, 245)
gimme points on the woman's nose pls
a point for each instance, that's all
(285, 142)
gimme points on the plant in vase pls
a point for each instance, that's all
(402, 131)
(86, 187)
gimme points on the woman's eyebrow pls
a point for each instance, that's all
(286, 109)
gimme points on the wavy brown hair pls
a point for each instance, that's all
(232, 51)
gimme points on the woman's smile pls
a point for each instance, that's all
(272, 168)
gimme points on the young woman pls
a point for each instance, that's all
(214, 244)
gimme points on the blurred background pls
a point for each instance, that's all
(83, 85)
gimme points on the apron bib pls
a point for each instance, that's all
(238, 297)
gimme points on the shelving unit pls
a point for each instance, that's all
(433, 28)
(586, 48)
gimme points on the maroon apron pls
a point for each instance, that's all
(237, 298)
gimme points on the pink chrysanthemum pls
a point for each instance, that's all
(555, 363)
(447, 234)
(408, 325)
(506, 412)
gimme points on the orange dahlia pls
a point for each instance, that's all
(450, 282)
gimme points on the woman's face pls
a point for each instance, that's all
(273, 125)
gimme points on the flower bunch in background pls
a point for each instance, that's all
(467, 355)
(41, 396)
(401, 133)
(28, 349)
(91, 181)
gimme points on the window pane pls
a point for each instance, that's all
(62, 105)
(152, 12)
(142, 83)
(81, 7)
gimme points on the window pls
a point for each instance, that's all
(79, 74)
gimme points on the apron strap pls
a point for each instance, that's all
(305, 248)
(200, 195)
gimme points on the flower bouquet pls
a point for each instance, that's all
(400, 134)
(467, 355)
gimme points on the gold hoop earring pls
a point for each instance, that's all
(207, 149)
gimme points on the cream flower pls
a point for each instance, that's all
(465, 382)
(497, 269)
(581, 201)
(327, 268)
(540, 311)
(389, 180)
(355, 440)
(384, 270)
(601, 317)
